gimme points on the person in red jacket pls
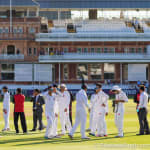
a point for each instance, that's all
(18, 101)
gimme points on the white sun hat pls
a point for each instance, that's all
(116, 88)
(63, 85)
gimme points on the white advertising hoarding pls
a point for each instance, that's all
(137, 72)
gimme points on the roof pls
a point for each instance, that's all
(94, 4)
(28, 3)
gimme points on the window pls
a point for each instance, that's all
(99, 50)
(20, 30)
(96, 71)
(109, 50)
(1, 30)
(18, 51)
(112, 50)
(82, 71)
(32, 13)
(105, 50)
(79, 50)
(35, 51)
(109, 71)
(65, 72)
(139, 50)
(7, 67)
(145, 50)
(7, 72)
(51, 51)
(92, 50)
(29, 51)
(65, 50)
(31, 30)
(8, 76)
(11, 50)
(6, 30)
(126, 50)
(14, 30)
(46, 51)
(17, 30)
(132, 50)
(85, 50)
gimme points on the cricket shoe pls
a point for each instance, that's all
(92, 134)
(119, 136)
(70, 136)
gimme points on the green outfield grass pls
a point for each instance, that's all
(11, 141)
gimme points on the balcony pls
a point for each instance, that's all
(92, 36)
(17, 36)
(95, 57)
(11, 57)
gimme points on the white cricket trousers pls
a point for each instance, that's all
(65, 121)
(6, 119)
(54, 130)
(99, 122)
(81, 118)
(49, 128)
(119, 116)
(91, 119)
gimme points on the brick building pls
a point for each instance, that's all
(37, 47)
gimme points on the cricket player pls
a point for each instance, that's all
(100, 111)
(92, 103)
(120, 99)
(81, 115)
(49, 112)
(63, 105)
(55, 120)
(56, 111)
(6, 108)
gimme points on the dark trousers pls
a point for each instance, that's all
(70, 115)
(37, 116)
(144, 127)
(23, 121)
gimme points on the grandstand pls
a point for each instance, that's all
(59, 41)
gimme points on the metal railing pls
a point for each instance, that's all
(16, 36)
(96, 57)
(11, 57)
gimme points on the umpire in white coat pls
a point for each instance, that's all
(81, 115)
(120, 99)
(6, 108)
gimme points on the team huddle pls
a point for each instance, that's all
(57, 104)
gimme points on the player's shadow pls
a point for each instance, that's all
(12, 133)
(39, 141)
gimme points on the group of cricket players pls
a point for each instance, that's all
(57, 106)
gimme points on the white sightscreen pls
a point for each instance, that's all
(43, 72)
(23, 72)
(137, 72)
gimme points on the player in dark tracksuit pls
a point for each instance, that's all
(70, 107)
